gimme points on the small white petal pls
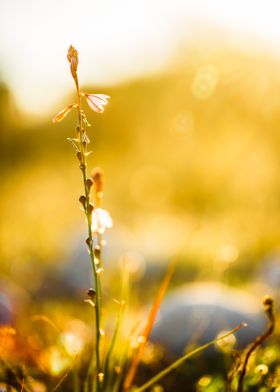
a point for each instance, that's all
(101, 220)
(97, 101)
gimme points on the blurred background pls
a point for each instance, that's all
(189, 142)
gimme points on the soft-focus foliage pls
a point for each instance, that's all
(190, 156)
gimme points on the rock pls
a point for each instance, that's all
(269, 273)
(6, 309)
(197, 313)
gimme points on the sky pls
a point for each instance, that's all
(116, 40)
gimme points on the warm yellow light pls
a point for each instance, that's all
(204, 381)
(205, 81)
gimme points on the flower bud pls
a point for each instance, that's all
(79, 155)
(89, 183)
(82, 200)
(84, 138)
(97, 252)
(91, 293)
(72, 57)
(89, 242)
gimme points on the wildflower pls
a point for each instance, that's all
(97, 101)
(101, 220)
(63, 113)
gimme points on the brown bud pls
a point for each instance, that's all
(82, 200)
(91, 293)
(72, 52)
(89, 183)
(97, 252)
(91, 207)
(98, 180)
(79, 155)
(89, 242)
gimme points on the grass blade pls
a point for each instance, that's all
(179, 361)
(122, 304)
(148, 328)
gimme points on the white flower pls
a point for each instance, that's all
(97, 101)
(101, 220)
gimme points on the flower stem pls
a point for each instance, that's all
(88, 212)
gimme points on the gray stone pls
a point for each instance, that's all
(197, 313)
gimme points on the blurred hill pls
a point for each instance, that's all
(191, 158)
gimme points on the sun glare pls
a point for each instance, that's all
(128, 38)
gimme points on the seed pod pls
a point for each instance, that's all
(89, 242)
(79, 156)
(91, 293)
(89, 183)
(82, 200)
(97, 252)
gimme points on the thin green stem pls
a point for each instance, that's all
(179, 361)
(76, 379)
(88, 212)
